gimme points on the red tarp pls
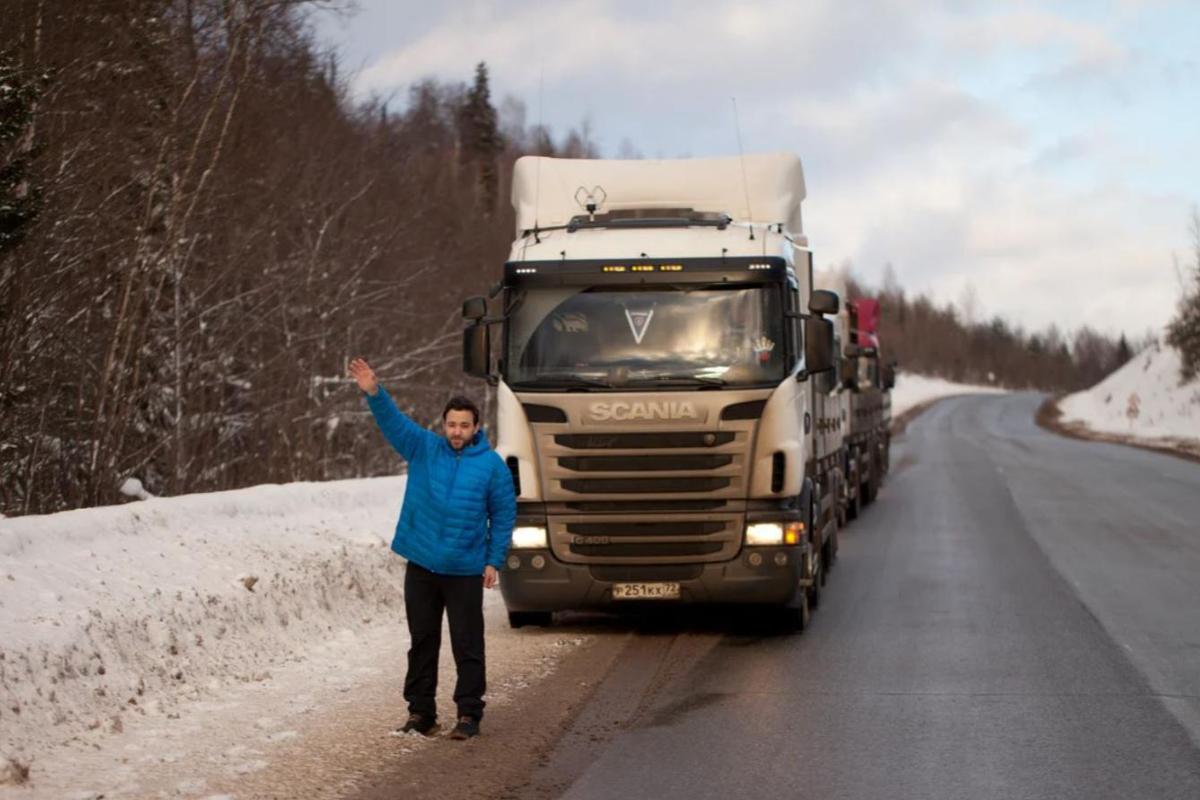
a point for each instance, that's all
(868, 315)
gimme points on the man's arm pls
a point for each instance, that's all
(502, 508)
(401, 432)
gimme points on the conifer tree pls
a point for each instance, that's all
(1183, 333)
(479, 132)
(19, 199)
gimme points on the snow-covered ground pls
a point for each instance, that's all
(912, 390)
(1142, 400)
(148, 648)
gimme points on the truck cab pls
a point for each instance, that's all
(655, 349)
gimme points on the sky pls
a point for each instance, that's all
(1041, 157)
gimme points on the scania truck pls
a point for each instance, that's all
(869, 384)
(658, 349)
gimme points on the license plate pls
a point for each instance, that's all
(645, 591)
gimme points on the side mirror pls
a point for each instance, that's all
(818, 344)
(823, 301)
(889, 376)
(477, 349)
(474, 308)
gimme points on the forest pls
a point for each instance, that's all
(200, 225)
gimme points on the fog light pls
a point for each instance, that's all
(513, 562)
(755, 559)
(538, 562)
(780, 559)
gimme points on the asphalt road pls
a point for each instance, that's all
(1017, 616)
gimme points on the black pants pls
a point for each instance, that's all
(425, 595)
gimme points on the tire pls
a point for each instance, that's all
(519, 619)
(814, 591)
(796, 617)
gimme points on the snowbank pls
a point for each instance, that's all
(134, 610)
(1142, 400)
(912, 390)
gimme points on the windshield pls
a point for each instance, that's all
(660, 336)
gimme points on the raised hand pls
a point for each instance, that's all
(361, 371)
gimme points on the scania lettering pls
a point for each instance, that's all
(651, 410)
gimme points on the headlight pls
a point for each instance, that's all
(764, 533)
(774, 533)
(529, 537)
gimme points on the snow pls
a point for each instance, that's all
(132, 487)
(912, 390)
(157, 637)
(1143, 400)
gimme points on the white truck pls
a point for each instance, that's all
(663, 385)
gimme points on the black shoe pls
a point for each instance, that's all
(419, 723)
(466, 728)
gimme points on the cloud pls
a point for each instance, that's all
(997, 144)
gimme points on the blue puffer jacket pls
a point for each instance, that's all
(459, 507)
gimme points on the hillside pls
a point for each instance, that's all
(1143, 401)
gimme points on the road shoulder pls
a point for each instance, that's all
(1049, 416)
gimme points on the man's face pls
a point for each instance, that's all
(459, 427)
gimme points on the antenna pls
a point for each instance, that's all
(742, 157)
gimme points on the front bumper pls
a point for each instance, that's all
(558, 586)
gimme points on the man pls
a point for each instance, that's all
(455, 526)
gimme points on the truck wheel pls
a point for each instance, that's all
(818, 580)
(519, 619)
(796, 616)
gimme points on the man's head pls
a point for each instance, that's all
(460, 421)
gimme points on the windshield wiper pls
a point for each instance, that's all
(565, 382)
(684, 380)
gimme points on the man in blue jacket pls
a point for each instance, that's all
(455, 527)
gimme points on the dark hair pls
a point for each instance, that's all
(460, 403)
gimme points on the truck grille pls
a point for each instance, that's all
(643, 463)
(636, 499)
(643, 485)
(612, 466)
(641, 539)
(633, 441)
(665, 528)
(648, 550)
(644, 506)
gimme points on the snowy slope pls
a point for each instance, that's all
(912, 390)
(136, 609)
(1143, 399)
(149, 649)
